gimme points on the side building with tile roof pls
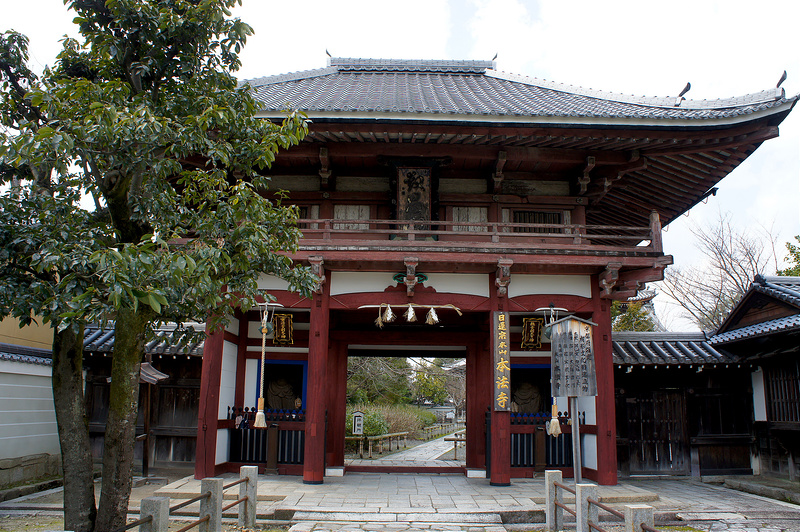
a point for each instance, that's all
(763, 330)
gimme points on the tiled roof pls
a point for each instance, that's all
(759, 329)
(652, 348)
(165, 342)
(786, 289)
(28, 355)
(419, 87)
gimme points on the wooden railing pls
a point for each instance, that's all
(507, 235)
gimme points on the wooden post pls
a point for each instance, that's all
(605, 405)
(655, 232)
(314, 454)
(576, 440)
(208, 413)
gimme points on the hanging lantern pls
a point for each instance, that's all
(389, 316)
(410, 316)
(432, 318)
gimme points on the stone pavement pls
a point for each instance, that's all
(374, 502)
(424, 455)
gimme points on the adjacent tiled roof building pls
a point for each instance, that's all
(666, 349)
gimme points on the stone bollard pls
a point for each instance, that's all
(636, 515)
(211, 506)
(158, 508)
(585, 512)
(249, 489)
(554, 515)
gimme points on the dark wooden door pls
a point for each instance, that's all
(656, 431)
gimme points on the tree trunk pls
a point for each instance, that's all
(118, 448)
(73, 430)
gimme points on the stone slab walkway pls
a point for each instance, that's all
(423, 455)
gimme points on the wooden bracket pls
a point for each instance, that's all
(318, 269)
(324, 170)
(584, 181)
(498, 176)
(410, 281)
(609, 278)
(503, 276)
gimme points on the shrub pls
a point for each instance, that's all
(391, 418)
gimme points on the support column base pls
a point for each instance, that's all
(314, 482)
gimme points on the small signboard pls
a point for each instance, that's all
(358, 423)
(573, 358)
(502, 361)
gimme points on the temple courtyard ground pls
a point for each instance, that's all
(432, 502)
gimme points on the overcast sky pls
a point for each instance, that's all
(724, 48)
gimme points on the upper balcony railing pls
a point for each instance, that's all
(501, 236)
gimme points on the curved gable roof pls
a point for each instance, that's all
(476, 91)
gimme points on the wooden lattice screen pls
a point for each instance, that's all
(783, 392)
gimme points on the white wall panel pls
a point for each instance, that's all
(227, 382)
(570, 285)
(223, 438)
(251, 382)
(360, 282)
(589, 450)
(759, 395)
(474, 284)
(27, 416)
(271, 282)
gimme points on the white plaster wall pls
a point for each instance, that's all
(588, 405)
(251, 382)
(27, 416)
(233, 326)
(589, 450)
(271, 282)
(759, 395)
(571, 285)
(223, 437)
(360, 282)
(474, 284)
(227, 381)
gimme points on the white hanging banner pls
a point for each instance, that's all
(573, 368)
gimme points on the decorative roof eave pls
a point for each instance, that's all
(499, 120)
(667, 102)
(666, 349)
(767, 328)
(783, 289)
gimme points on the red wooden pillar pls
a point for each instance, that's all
(337, 404)
(501, 421)
(208, 414)
(479, 398)
(604, 402)
(314, 455)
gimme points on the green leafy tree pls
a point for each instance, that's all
(430, 384)
(378, 380)
(631, 317)
(146, 117)
(793, 258)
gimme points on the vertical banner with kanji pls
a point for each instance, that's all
(502, 361)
